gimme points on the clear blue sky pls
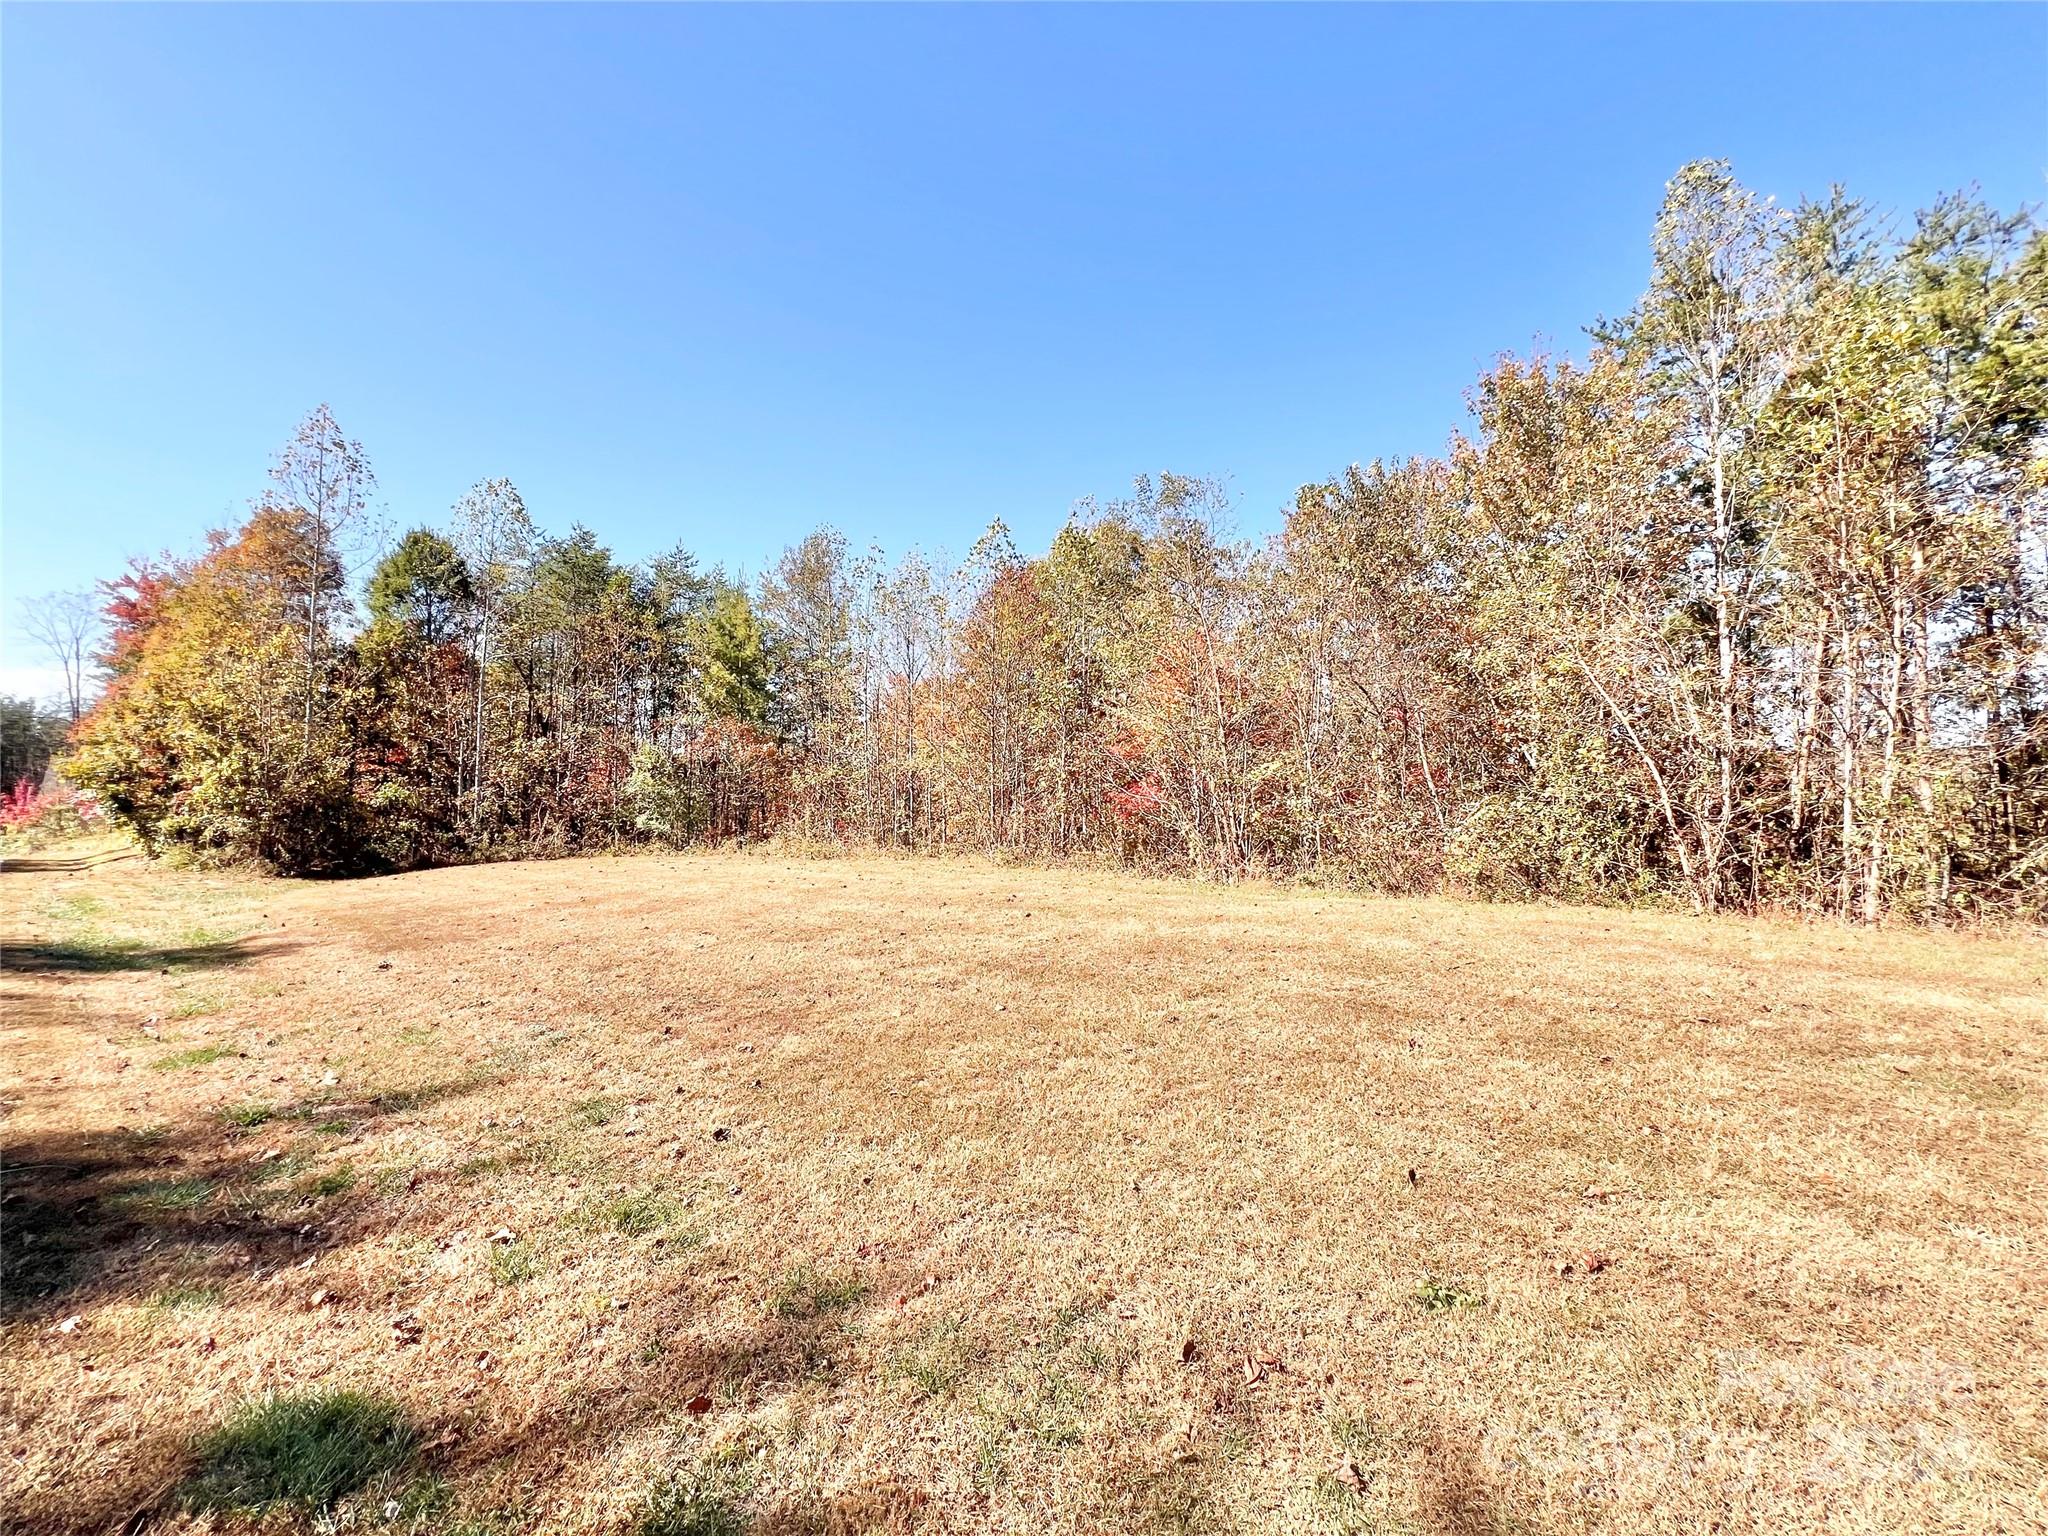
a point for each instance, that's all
(719, 274)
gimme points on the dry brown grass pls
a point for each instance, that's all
(977, 1199)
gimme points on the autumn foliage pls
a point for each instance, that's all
(1745, 607)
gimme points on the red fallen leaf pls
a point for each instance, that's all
(1188, 1351)
(701, 1403)
(1595, 1262)
(1254, 1373)
(1411, 1176)
(1347, 1473)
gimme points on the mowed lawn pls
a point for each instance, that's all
(739, 1192)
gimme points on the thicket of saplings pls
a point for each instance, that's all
(1745, 609)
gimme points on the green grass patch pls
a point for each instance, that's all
(634, 1214)
(707, 1498)
(202, 937)
(593, 1112)
(76, 909)
(932, 1367)
(1442, 1296)
(185, 1298)
(197, 1056)
(303, 1450)
(247, 1116)
(335, 1181)
(809, 1292)
(514, 1263)
(161, 1197)
(280, 1169)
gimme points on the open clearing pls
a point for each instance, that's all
(729, 1192)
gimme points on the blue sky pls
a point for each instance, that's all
(718, 274)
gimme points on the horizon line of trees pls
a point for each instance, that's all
(1748, 608)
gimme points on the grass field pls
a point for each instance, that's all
(702, 1195)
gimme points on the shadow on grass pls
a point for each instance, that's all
(100, 955)
(113, 1216)
(740, 1371)
(62, 863)
(181, 1216)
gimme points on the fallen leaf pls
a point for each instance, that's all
(1347, 1473)
(701, 1403)
(1188, 1351)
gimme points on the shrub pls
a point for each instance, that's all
(32, 818)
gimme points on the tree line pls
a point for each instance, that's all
(1745, 608)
